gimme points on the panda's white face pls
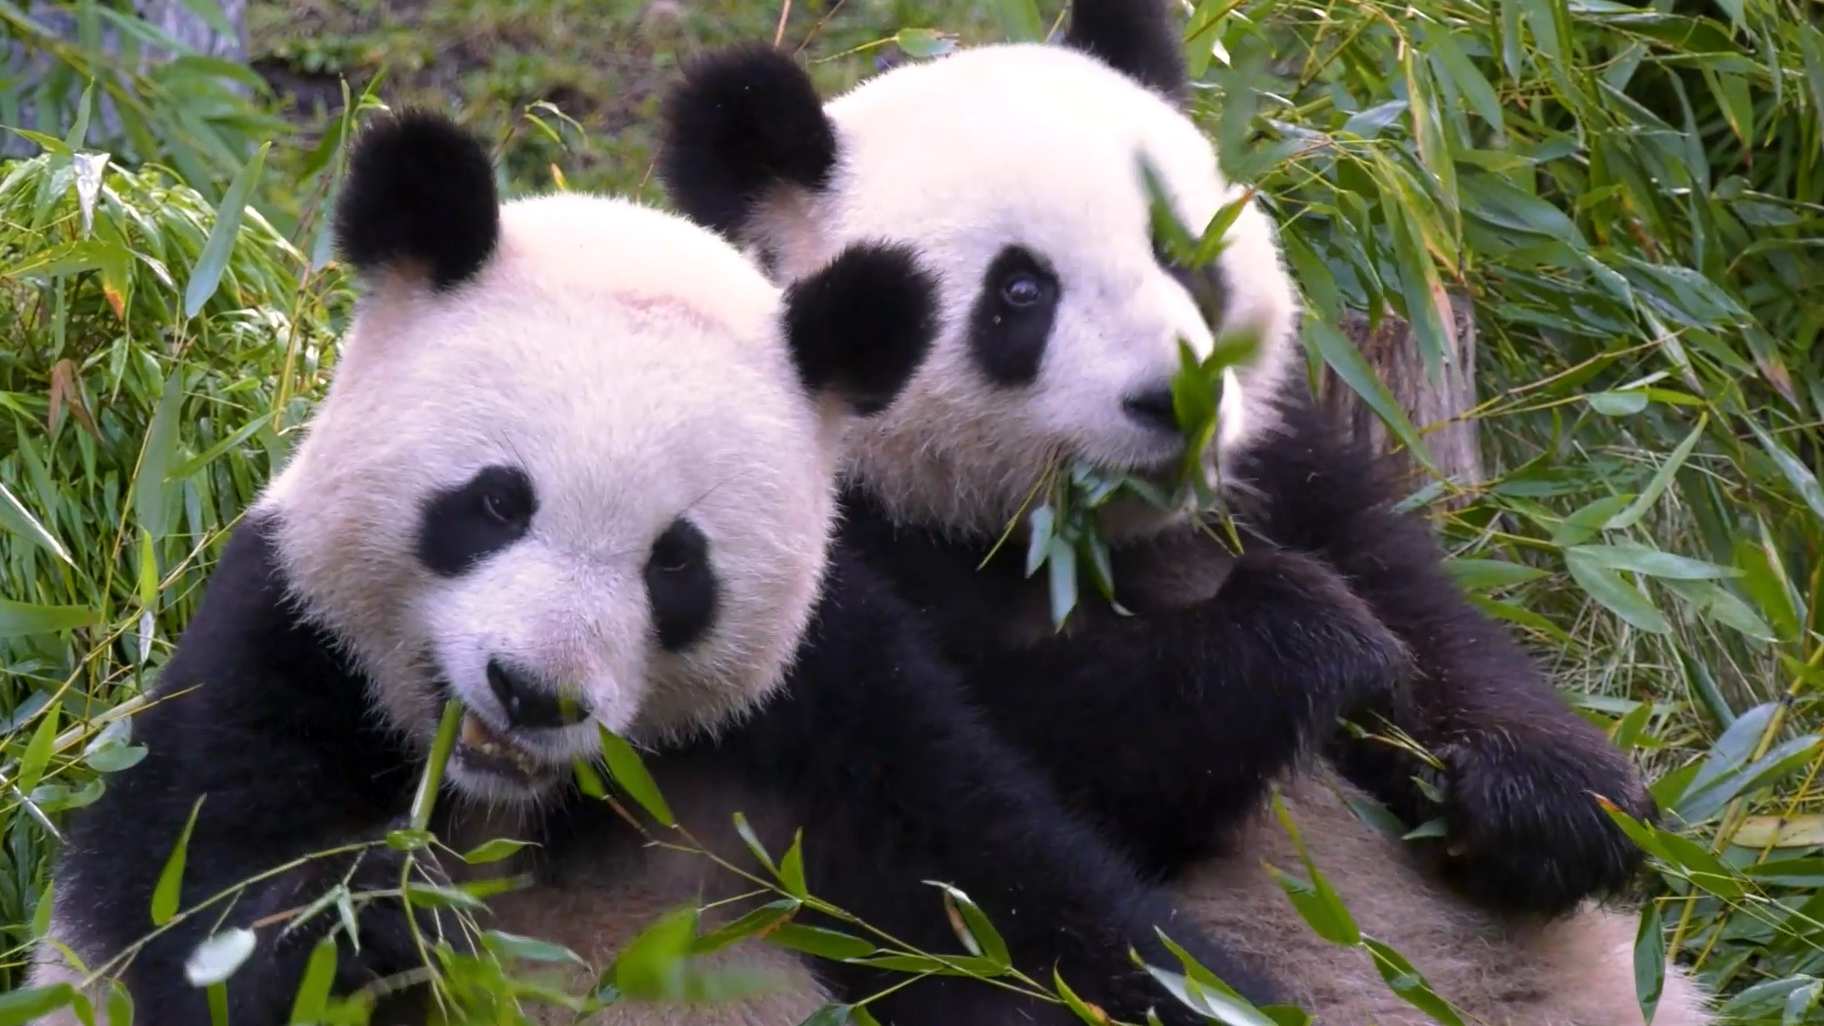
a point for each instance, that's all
(586, 487)
(1013, 170)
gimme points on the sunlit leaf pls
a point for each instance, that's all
(216, 959)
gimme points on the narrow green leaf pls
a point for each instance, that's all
(19, 620)
(1801, 477)
(79, 131)
(1652, 562)
(829, 1015)
(1649, 961)
(1490, 574)
(924, 43)
(16, 518)
(1407, 982)
(1701, 867)
(1063, 577)
(1800, 1004)
(218, 1004)
(1464, 74)
(951, 965)
(493, 851)
(1202, 35)
(1038, 543)
(973, 927)
(206, 276)
(1763, 581)
(1226, 1008)
(41, 914)
(1607, 588)
(1343, 357)
(313, 990)
(1542, 20)
(752, 841)
(38, 752)
(1085, 1011)
(1662, 479)
(425, 895)
(815, 940)
(155, 458)
(630, 774)
(1617, 404)
(214, 452)
(1811, 46)
(530, 949)
(120, 1005)
(1313, 909)
(171, 879)
(1427, 125)
(791, 868)
(29, 1004)
(761, 920)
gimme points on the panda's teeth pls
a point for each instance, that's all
(473, 733)
(478, 737)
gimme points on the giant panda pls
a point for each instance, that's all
(1012, 171)
(576, 470)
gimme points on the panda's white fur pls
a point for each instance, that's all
(681, 329)
(1043, 143)
(576, 448)
(698, 403)
(1038, 143)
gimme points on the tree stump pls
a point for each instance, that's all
(1436, 408)
(171, 17)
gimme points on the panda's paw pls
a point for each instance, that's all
(1524, 832)
(391, 936)
(397, 936)
(1364, 659)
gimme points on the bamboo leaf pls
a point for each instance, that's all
(206, 276)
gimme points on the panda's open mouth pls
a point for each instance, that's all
(481, 747)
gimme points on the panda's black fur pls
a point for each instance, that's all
(1190, 712)
(869, 745)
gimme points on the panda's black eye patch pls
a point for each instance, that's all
(461, 526)
(681, 585)
(1011, 321)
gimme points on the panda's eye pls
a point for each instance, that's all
(1010, 322)
(673, 553)
(1022, 290)
(680, 584)
(495, 507)
(463, 525)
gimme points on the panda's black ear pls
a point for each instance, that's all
(1136, 38)
(740, 120)
(419, 198)
(860, 327)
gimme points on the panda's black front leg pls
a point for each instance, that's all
(901, 782)
(1521, 768)
(1167, 725)
(263, 989)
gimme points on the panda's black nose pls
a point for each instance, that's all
(1153, 409)
(526, 703)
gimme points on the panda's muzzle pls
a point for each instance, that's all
(528, 705)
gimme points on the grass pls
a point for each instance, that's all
(1632, 196)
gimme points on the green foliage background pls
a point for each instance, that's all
(1632, 194)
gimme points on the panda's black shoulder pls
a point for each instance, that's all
(859, 612)
(1309, 450)
(251, 684)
